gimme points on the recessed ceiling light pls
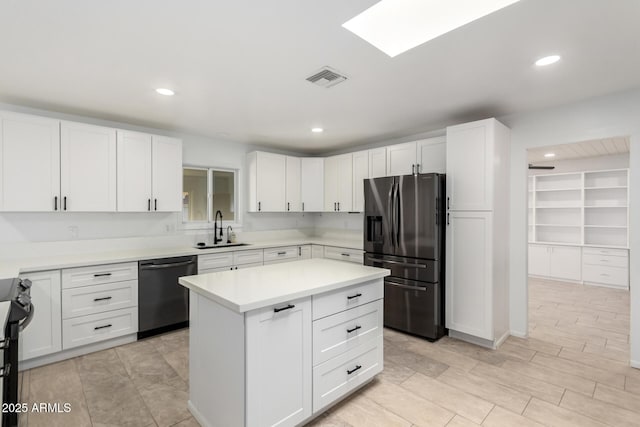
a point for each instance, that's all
(548, 155)
(317, 130)
(547, 60)
(165, 91)
(395, 26)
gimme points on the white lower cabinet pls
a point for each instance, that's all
(278, 355)
(282, 254)
(304, 252)
(317, 251)
(99, 303)
(606, 267)
(344, 254)
(556, 262)
(43, 335)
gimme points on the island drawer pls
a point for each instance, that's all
(99, 274)
(248, 257)
(343, 299)
(98, 327)
(340, 375)
(607, 260)
(344, 254)
(218, 260)
(614, 276)
(99, 298)
(274, 255)
(334, 335)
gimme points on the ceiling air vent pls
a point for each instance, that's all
(327, 77)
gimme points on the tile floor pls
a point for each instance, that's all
(571, 371)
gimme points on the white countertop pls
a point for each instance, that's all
(14, 267)
(252, 288)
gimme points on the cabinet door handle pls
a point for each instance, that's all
(288, 206)
(155, 204)
(299, 250)
(354, 329)
(417, 167)
(55, 203)
(448, 218)
(351, 371)
(282, 253)
(334, 207)
(288, 307)
(149, 205)
(302, 206)
(354, 296)
(102, 327)
(338, 206)
(5, 371)
(447, 203)
(413, 169)
(102, 299)
(64, 200)
(259, 207)
(102, 274)
(345, 254)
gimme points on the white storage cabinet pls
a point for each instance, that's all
(423, 156)
(43, 336)
(338, 183)
(267, 182)
(477, 160)
(312, 184)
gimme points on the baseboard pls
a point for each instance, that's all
(502, 339)
(74, 352)
(471, 339)
(518, 334)
(197, 415)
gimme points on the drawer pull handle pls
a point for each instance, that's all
(282, 253)
(102, 299)
(351, 371)
(354, 296)
(288, 307)
(345, 254)
(102, 275)
(354, 329)
(102, 327)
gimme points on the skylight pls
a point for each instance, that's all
(395, 26)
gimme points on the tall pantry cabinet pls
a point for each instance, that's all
(477, 258)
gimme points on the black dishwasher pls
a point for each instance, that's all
(163, 304)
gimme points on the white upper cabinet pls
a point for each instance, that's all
(29, 163)
(292, 185)
(378, 162)
(401, 159)
(166, 174)
(423, 156)
(87, 168)
(360, 173)
(338, 183)
(134, 172)
(470, 165)
(149, 173)
(432, 155)
(312, 184)
(267, 182)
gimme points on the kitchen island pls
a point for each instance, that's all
(279, 344)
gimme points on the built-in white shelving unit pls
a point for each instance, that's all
(581, 208)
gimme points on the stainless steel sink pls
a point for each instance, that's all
(221, 245)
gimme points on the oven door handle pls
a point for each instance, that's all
(28, 319)
(409, 287)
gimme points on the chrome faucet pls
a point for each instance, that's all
(217, 239)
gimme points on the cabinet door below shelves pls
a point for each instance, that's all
(565, 262)
(282, 342)
(87, 168)
(43, 335)
(538, 260)
(33, 142)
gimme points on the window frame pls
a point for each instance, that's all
(202, 225)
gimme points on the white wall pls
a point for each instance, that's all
(603, 117)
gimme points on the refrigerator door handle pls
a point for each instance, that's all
(390, 213)
(398, 203)
(400, 285)
(404, 264)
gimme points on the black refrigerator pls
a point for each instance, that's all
(404, 231)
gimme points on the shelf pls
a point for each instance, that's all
(606, 188)
(605, 206)
(557, 225)
(554, 243)
(605, 226)
(558, 189)
(558, 207)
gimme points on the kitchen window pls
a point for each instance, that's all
(207, 190)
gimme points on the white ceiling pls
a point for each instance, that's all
(239, 67)
(580, 150)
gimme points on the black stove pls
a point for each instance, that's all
(18, 293)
